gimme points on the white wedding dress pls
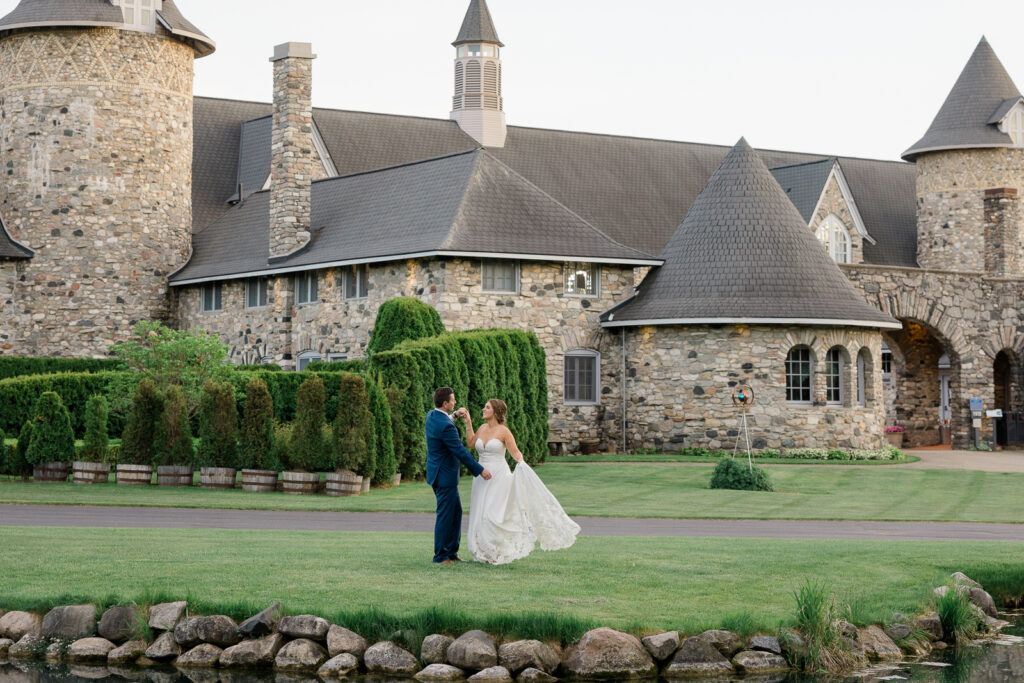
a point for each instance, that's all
(512, 512)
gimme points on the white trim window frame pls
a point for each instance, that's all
(303, 360)
(886, 363)
(307, 288)
(140, 14)
(836, 239)
(354, 281)
(862, 388)
(799, 376)
(581, 381)
(1013, 124)
(588, 275)
(256, 292)
(834, 388)
(499, 276)
(211, 297)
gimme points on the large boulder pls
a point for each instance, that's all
(755, 662)
(726, 642)
(440, 672)
(609, 654)
(532, 675)
(697, 658)
(300, 655)
(961, 579)
(164, 648)
(340, 639)
(492, 674)
(166, 615)
(29, 646)
(219, 630)
(387, 658)
(878, 646)
(766, 644)
(126, 654)
(662, 645)
(931, 624)
(259, 652)
(202, 656)
(261, 624)
(90, 650)
(187, 633)
(339, 666)
(983, 600)
(70, 622)
(473, 651)
(524, 654)
(434, 649)
(304, 626)
(17, 625)
(120, 624)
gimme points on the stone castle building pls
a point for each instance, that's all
(660, 276)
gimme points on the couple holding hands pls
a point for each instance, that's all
(509, 512)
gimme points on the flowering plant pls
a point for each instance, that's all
(894, 429)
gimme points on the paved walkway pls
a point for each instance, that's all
(183, 518)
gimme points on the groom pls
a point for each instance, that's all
(444, 452)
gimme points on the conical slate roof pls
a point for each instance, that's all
(966, 119)
(477, 27)
(743, 254)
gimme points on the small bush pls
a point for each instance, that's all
(807, 453)
(53, 440)
(731, 474)
(257, 425)
(281, 444)
(137, 440)
(308, 450)
(172, 440)
(769, 453)
(836, 454)
(218, 426)
(401, 319)
(96, 439)
(960, 623)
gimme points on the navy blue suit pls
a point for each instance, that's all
(444, 453)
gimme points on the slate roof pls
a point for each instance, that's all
(477, 27)
(804, 183)
(744, 254)
(468, 203)
(965, 119)
(9, 249)
(45, 13)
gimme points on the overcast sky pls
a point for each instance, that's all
(861, 78)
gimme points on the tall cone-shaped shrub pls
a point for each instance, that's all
(401, 319)
(137, 440)
(385, 465)
(257, 425)
(17, 465)
(96, 441)
(218, 426)
(172, 441)
(354, 436)
(53, 440)
(308, 450)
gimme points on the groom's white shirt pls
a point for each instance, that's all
(445, 414)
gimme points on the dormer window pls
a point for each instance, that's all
(835, 238)
(140, 14)
(1013, 125)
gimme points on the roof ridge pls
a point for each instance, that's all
(834, 160)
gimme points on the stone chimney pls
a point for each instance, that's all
(1003, 224)
(292, 155)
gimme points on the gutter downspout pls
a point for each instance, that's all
(623, 390)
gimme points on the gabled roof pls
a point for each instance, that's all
(477, 27)
(11, 250)
(466, 204)
(804, 184)
(744, 254)
(965, 119)
(85, 13)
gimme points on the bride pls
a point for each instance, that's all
(512, 512)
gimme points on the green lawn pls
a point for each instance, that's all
(679, 457)
(632, 583)
(802, 492)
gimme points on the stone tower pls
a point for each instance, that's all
(477, 105)
(96, 132)
(970, 173)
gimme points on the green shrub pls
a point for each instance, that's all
(960, 623)
(96, 438)
(262, 367)
(218, 426)
(137, 440)
(23, 367)
(308, 450)
(403, 319)
(357, 366)
(396, 402)
(18, 465)
(385, 464)
(257, 425)
(354, 437)
(172, 438)
(837, 454)
(807, 453)
(279, 448)
(53, 440)
(732, 474)
(18, 397)
(769, 453)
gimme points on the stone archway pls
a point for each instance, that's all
(1007, 394)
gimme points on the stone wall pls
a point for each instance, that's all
(833, 203)
(96, 128)
(9, 271)
(1004, 249)
(679, 392)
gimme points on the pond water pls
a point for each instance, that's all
(998, 662)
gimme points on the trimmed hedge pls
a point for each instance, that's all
(21, 367)
(402, 319)
(478, 365)
(18, 396)
(357, 366)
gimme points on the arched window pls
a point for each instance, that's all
(305, 358)
(582, 376)
(834, 376)
(835, 238)
(863, 377)
(1013, 125)
(798, 375)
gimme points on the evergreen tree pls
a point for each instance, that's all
(401, 319)
(19, 464)
(172, 439)
(257, 425)
(137, 441)
(53, 440)
(385, 467)
(308, 450)
(354, 436)
(218, 426)
(96, 441)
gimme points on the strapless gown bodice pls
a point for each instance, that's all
(513, 512)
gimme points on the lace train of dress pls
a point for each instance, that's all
(513, 512)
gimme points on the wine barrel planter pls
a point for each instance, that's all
(134, 475)
(51, 472)
(590, 446)
(217, 477)
(174, 475)
(261, 481)
(90, 472)
(343, 483)
(365, 485)
(300, 483)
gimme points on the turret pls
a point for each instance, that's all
(477, 104)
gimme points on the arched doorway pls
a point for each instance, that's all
(1006, 385)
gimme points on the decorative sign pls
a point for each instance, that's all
(994, 413)
(976, 404)
(743, 397)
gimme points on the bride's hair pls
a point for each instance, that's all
(499, 408)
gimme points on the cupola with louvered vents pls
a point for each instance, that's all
(477, 105)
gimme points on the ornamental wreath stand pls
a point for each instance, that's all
(743, 398)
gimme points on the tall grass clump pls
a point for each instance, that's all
(819, 617)
(960, 623)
